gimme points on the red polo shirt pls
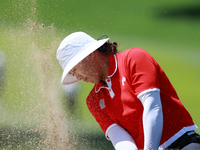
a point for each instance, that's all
(130, 73)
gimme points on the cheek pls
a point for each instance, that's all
(89, 69)
(91, 73)
(84, 70)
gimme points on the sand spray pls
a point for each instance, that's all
(32, 116)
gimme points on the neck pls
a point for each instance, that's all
(104, 82)
(104, 64)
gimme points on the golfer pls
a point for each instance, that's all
(132, 99)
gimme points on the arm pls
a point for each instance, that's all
(152, 118)
(120, 138)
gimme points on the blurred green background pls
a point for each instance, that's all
(32, 98)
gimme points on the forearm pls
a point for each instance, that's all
(152, 119)
(120, 138)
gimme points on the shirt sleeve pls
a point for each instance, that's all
(99, 114)
(143, 70)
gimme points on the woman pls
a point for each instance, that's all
(132, 100)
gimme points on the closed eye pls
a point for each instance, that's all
(73, 72)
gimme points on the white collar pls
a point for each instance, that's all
(99, 85)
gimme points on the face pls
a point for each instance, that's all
(87, 70)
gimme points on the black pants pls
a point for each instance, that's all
(185, 139)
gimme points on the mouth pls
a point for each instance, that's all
(85, 79)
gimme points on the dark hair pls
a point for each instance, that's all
(108, 48)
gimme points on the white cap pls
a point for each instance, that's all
(73, 49)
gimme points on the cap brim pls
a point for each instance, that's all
(68, 78)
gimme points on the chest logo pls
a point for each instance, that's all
(102, 103)
(123, 80)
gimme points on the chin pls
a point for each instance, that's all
(90, 81)
(95, 81)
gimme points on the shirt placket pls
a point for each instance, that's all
(108, 81)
